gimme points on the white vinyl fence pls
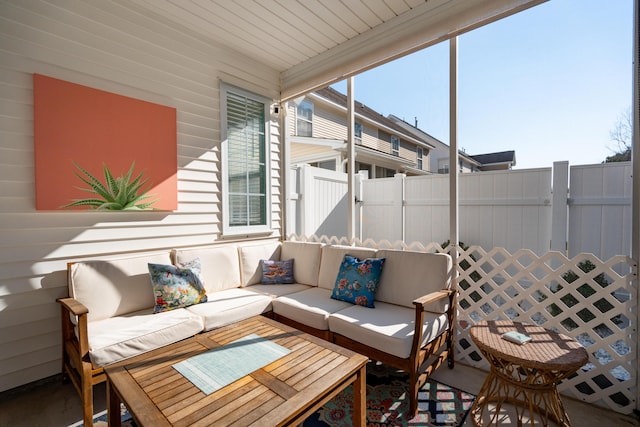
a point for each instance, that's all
(570, 210)
(600, 210)
(318, 202)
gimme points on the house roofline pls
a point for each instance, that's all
(411, 138)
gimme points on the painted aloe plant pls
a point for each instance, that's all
(119, 193)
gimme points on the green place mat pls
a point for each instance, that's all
(221, 366)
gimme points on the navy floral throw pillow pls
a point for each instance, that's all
(357, 280)
(277, 272)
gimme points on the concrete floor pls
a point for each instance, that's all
(51, 403)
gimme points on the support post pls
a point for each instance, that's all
(360, 177)
(635, 158)
(559, 207)
(453, 149)
(399, 217)
(351, 163)
(285, 166)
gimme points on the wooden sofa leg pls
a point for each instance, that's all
(450, 352)
(414, 385)
(87, 394)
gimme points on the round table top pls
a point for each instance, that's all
(546, 350)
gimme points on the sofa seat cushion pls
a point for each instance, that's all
(230, 306)
(311, 307)
(388, 327)
(275, 291)
(116, 338)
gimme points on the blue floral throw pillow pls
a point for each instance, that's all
(357, 280)
(177, 286)
(277, 272)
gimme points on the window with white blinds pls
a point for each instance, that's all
(304, 119)
(245, 161)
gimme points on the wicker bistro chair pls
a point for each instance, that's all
(524, 375)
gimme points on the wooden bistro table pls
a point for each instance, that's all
(284, 392)
(524, 375)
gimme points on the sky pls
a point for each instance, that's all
(550, 83)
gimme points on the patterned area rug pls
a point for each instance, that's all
(100, 419)
(387, 404)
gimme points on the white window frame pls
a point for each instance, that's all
(300, 118)
(227, 228)
(357, 131)
(443, 165)
(395, 145)
(419, 156)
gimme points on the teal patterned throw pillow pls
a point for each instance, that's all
(357, 280)
(177, 286)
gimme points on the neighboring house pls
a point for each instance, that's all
(439, 156)
(503, 160)
(318, 136)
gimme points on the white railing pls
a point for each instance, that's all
(590, 300)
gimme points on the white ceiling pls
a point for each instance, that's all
(313, 43)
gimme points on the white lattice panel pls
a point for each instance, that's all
(590, 300)
(583, 297)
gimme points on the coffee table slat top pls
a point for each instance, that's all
(277, 394)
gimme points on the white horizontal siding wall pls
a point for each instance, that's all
(331, 124)
(106, 46)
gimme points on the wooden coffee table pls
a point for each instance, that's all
(524, 375)
(285, 392)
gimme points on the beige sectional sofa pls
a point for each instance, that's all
(109, 315)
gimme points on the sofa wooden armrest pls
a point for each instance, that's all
(76, 365)
(73, 306)
(425, 300)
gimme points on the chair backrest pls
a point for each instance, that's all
(250, 256)
(114, 287)
(407, 275)
(306, 264)
(220, 265)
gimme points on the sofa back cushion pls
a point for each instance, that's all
(408, 275)
(332, 257)
(114, 287)
(220, 265)
(250, 256)
(306, 256)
